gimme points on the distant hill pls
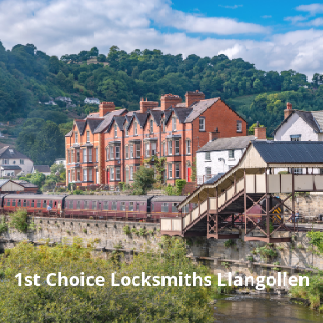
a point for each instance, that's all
(29, 78)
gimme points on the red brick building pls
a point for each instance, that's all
(107, 147)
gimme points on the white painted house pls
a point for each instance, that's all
(219, 156)
(13, 162)
(300, 125)
(92, 101)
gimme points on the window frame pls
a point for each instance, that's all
(239, 126)
(201, 124)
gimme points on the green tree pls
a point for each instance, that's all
(143, 180)
(53, 64)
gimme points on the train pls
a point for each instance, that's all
(99, 207)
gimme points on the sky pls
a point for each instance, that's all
(273, 35)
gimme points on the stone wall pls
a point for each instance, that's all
(108, 234)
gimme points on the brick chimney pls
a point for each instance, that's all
(260, 132)
(145, 105)
(106, 107)
(191, 97)
(288, 111)
(214, 135)
(169, 99)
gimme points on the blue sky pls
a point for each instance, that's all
(274, 35)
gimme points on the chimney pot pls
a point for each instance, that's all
(288, 111)
(260, 132)
(191, 97)
(168, 100)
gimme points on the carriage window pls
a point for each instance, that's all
(45, 204)
(174, 208)
(50, 203)
(93, 205)
(19, 203)
(32, 203)
(13, 203)
(130, 206)
(114, 206)
(28, 203)
(152, 207)
(78, 204)
(122, 206)
(8, 202)
(71, 205)
(24, 203)
(38, 203)
(105, 205)
(164, 207)
(55, 204)
(85, 205)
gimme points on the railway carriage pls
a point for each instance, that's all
(33, 203)
(107, 207)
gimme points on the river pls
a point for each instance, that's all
(262, 308)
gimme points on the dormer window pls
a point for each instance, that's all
(76, 137)
(115, 131)
(11, 151)
(88, 136)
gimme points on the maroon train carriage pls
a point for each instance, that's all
(166, 206)
(34, 203)
(103, 207)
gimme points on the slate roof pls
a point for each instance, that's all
(141, 118)
(25, 183)
(182, 113)
(108, 119)
(94, 115)
(313, 118)
(80, 125)
(214, 178)
(199, 107)
(69, 134)
(93, 123)
(6, 154)
(119, 121)
(166, 198)
(290, 151)
(10, 167)
(3, 181)
(156, 114)
(227, 143)
(42, 168)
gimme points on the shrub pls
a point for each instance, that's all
(3, 225)
(134, 230)
(180, 183)
(19, 220)
(85, 231)
(142, 232)
(126, 229)
(229, 243)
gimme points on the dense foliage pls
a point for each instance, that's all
(143, 180)
(29, 78)
(100, 304)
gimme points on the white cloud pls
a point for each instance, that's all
(295, 19)
(59, 28)
(315, 22)
(313, 8)
(236, 6)
(266, 16)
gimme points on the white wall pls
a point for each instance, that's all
(26, 167)
(296, 126)
(216, 165)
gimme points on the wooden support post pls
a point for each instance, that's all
(267, 208)
(245, 202)
(216, 210)
(293, 197)
(235, 184)
(198, 196)
(208, 213)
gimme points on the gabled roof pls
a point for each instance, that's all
(42, 168)
(108, 119)
(200, 107)
(156, 115)
(69, 134)
(313, 118)
(141, 118)
(182, 113)
(80, 125)
(93, 123)
(214, 178)
(119, 120)
(167, 114)
(8, 152)
(227, 143)
(3, 181)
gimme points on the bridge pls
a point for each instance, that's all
(245, 198)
